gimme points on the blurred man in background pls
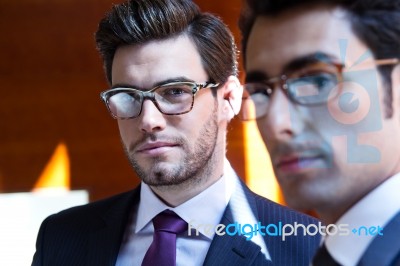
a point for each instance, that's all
(324, 80)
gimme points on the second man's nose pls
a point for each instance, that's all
(283, 120)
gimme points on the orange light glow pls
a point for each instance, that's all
(56, 173)
(258, 167)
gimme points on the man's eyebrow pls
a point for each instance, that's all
(122, 85)
(159, 83)
(255, 76)
(295, 64)
(309, 59)
(171, 80)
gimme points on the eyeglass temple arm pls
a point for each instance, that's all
(389, 61)
(208, 84)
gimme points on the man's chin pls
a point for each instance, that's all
(164, 182)
(163, 176)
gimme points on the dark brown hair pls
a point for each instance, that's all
(141, 21)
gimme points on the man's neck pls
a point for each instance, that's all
(177, 194)
(331, 213)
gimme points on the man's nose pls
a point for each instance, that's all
(283, 117)
(151, 119)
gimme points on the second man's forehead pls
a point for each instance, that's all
(281, 37)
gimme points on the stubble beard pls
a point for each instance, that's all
(196, 166)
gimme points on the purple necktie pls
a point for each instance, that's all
(162, 250)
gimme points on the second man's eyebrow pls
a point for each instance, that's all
(255, 76)
(308, 59)
(295, 64)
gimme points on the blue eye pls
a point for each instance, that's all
(325, 81)
(258, 88)
(312, 89)
(174, 92)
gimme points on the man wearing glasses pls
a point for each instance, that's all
(172, 71)
(323, 83)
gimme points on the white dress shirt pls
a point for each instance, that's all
(375, 209)
(205, 208)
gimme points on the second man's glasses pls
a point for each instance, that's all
(313, 85)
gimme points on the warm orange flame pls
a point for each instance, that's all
(56, 174)
(259, 172)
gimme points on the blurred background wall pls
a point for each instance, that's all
(52, 122)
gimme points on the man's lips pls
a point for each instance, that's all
(297, 162)
(155, 147)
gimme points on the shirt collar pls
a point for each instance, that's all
(205, 208)
(375, 209)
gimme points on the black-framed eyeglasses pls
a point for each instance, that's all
(173, 98)
(311, 86)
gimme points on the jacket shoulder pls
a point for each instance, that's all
(65, 238)
(279, 212)
(292, 237)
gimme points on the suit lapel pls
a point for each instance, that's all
(384, 250)
(236, 250)
(104, 243)
(232, 250)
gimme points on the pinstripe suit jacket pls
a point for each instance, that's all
(384, 250)
(92, 235)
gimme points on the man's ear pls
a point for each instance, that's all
(233, 92)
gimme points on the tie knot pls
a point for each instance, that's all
(169, 221)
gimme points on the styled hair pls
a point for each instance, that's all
(141, 21)
(375, 22)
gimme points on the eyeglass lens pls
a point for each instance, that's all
(169, 99)
(311, 89)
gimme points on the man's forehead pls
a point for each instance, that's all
(303, 11)
(150, 63)
(275, 41)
